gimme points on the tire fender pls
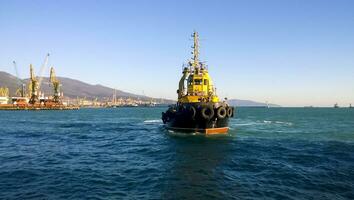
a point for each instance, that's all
(207, 112)
(221, 112)
(192, 111)
(229, 111)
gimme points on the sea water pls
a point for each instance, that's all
(125, 153)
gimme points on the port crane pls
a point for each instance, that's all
(35, 82)
(33, 87)
(42, 70)
(56, 86)
(31, 97)
(22, 90)
(4, 92)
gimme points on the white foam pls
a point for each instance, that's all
(278, 122)
(287, 123)
(246, 124)
(153, 121)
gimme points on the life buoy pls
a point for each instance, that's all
(192, 111)
(229, 111)
(207, 112)
(221, 112)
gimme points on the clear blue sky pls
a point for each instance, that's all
(293, 53)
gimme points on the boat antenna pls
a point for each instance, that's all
(195, 52)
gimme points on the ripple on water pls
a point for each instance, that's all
(127, 153)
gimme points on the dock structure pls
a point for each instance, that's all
(32, 100)
(37, 107)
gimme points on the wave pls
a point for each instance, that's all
(153, 121)
(277, 122)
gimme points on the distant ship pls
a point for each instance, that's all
(198, 108)
(336, 105)
(350, 106)
(150, 104)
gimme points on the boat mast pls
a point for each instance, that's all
(195, 63)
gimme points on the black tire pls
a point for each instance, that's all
(170, 110)
(229, 111)
(192, 111)
(182, 108)
(221, 112)
(164, 118)
(207, 112)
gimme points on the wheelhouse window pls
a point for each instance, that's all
(198, 81)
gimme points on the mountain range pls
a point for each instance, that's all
(249, 103)
(73, 88)
(77, 89)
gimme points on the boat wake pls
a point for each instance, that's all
(277, 122)
(153, 121)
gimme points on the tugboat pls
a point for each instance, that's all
(198, 108)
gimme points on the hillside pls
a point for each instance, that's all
(73, 88)
(248, 103)
(10, 81)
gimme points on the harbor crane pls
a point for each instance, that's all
(33, 87)
(35, 82)
(56, 86)
(4, 92)
(42, 70)
(22, 86)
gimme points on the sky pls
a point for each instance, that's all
(286, 52)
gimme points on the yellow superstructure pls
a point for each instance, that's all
(199, 84)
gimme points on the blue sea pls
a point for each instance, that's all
(125, 153)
